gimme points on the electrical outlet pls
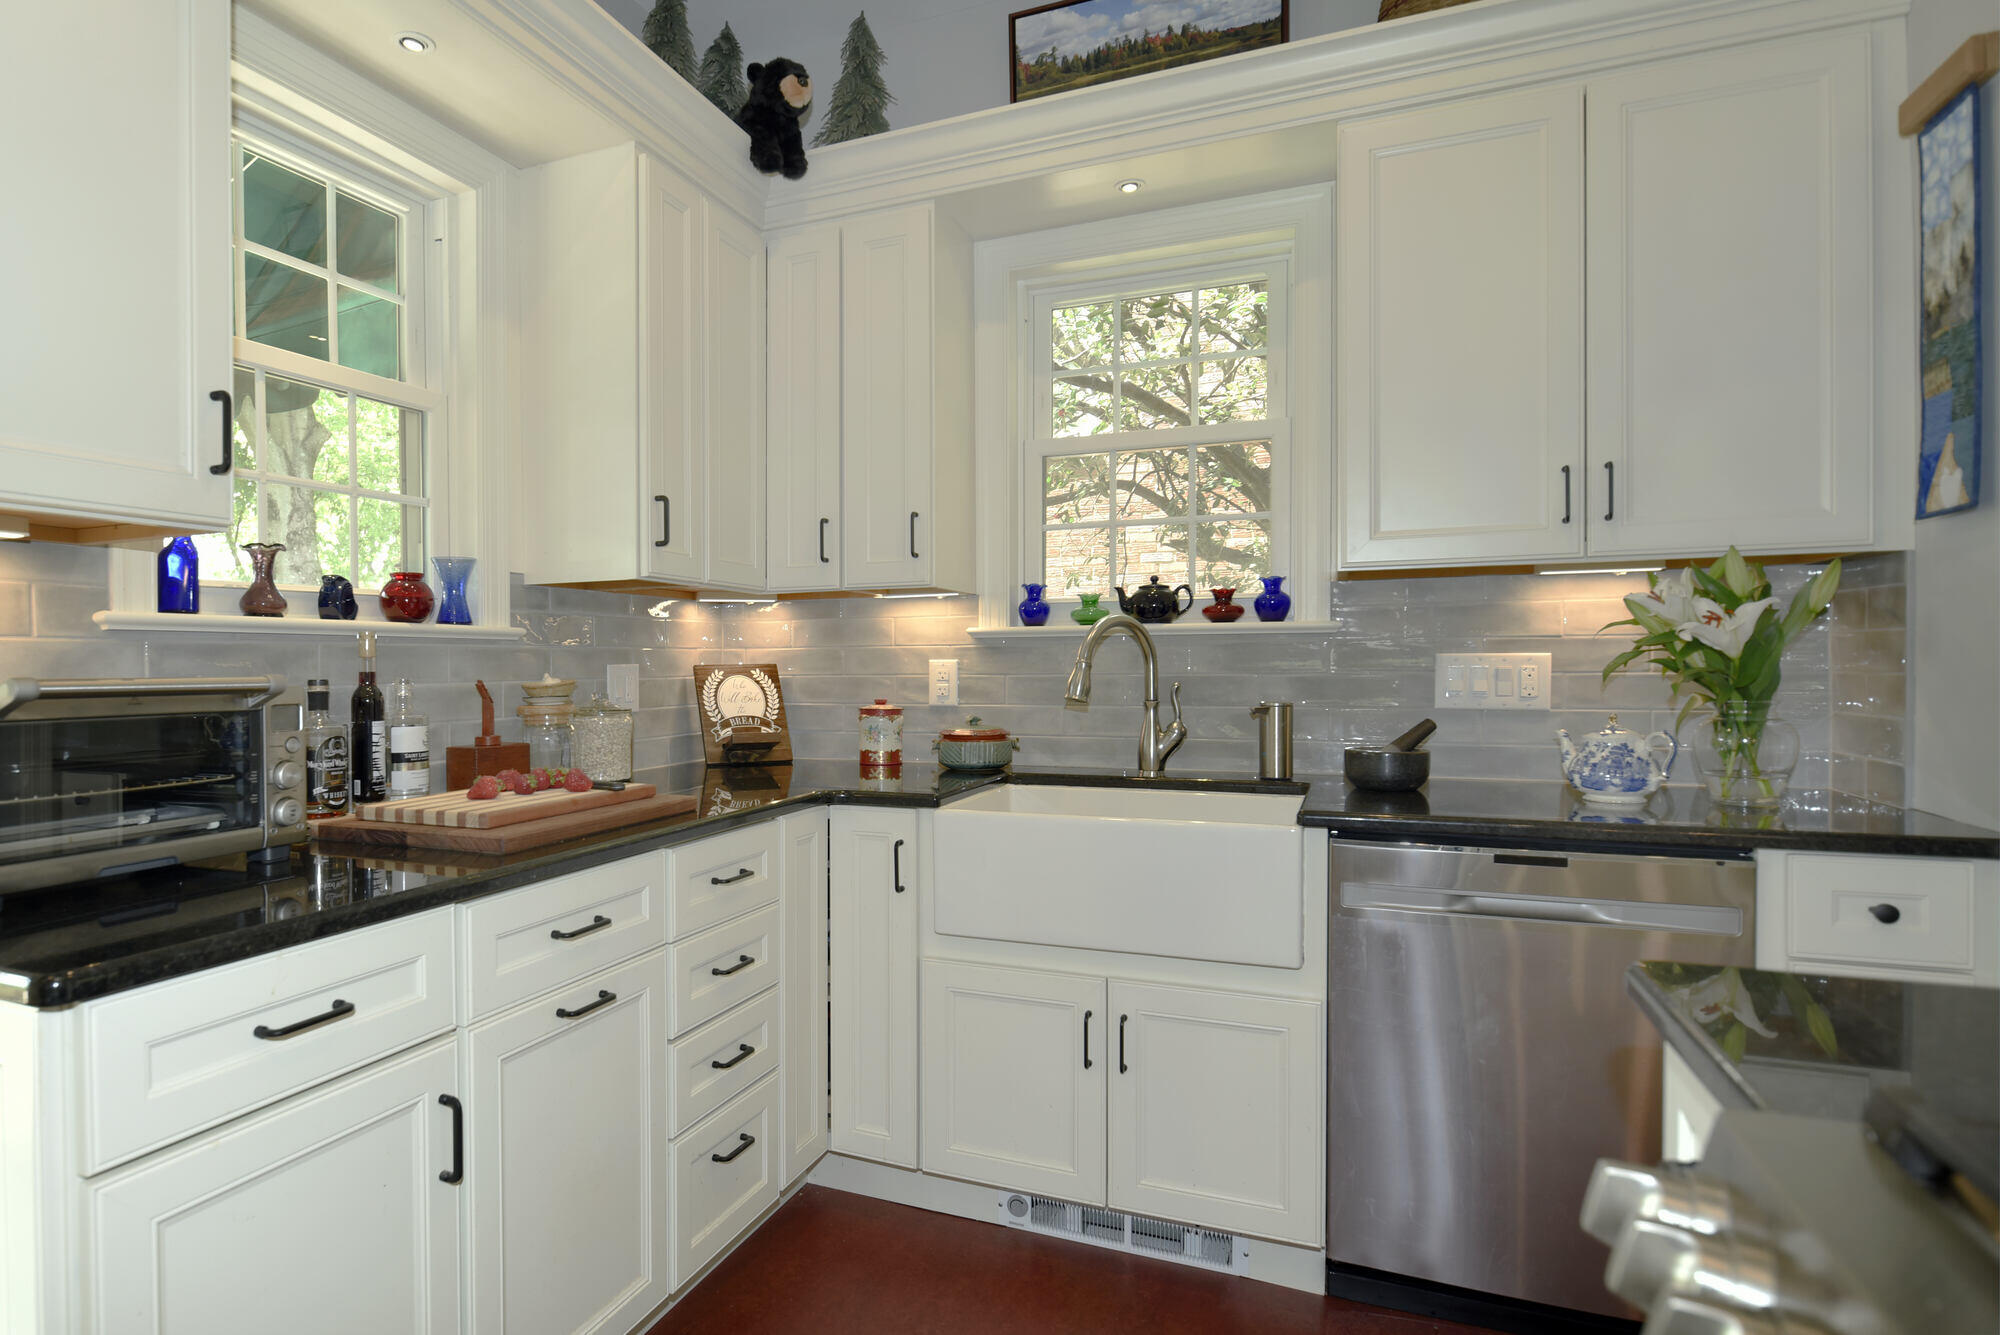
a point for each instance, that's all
(944, 681)
(621, 685)
(1492, 681)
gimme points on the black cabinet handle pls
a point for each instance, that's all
(597, 922)
(743, 1050)
(1122, 1068)
(742, 874)
(744, 1141)
(1565, 493)
(603, 999)
(666, 521)
(1886, 913)
(1609, 476)
(223, 397)
(824, 559)
(338, 1011)
(456, 1173)
(1086, 1040)
(913, 535)
(742, 962)
(896, 867)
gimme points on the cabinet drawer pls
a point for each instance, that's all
(700, 1084)
(725, 1174)
(527, 941)
(174, 1058)
(717, 879)
(722, 966)
(1836, 905)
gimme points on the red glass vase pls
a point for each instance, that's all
(406, 597)
(1223, 610)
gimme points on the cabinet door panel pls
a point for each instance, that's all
(1460, 357)
(804, 411)
(1214, 1110)
(802, 944)
(874, 984)
(566, 1147)
(206, 1238)
(735, 435)
(1731, 353)
(885, 405)
(672, 226)
(1008, 1097)
(101, 296)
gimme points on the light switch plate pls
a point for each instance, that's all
(621, 684)
(944, 681)
(1492, 681)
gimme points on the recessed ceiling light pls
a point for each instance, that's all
(1130, 187)
(415, 43)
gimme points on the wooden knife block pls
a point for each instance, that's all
(463, 764)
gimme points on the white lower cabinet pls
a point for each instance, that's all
(1013, 1078)
(802, 945)
(725, 1174)
(873, 985)
(1215, 1110)
(326, 1215)
(567, 1120)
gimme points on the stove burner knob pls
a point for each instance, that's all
(1618, 1194)
(1648, 1260)
(1682, 1315)
(288, 774)
(287, 811)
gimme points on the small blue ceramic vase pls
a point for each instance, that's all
(180, 576)
(1034, 609)
(453, 572)
(1273, 604)
(336, 599)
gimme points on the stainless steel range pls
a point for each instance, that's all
(103, 777)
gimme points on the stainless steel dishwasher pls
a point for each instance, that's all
(1483, 1055)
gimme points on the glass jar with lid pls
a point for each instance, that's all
(545, 712)
(602, 741)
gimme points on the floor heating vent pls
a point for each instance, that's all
(1204, 1247)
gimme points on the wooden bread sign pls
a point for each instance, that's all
(742, 714)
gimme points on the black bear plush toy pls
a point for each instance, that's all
(779, 102)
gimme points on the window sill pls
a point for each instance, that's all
(1192, 624)
(218, 623)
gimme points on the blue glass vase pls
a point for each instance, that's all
(336, 599)
(453, 572)
(1034, 609)
(180, 576)
(1273, 603)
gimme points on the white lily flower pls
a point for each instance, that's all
(1719, 995)
(1672, 596)
(1722, 630)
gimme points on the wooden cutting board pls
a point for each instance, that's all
(456, 809)
(506, 838)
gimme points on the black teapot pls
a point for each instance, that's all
(1155, 602)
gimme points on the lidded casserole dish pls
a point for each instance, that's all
(975, 748)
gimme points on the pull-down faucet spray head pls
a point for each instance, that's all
(1078, 690)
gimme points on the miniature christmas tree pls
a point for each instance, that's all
(860, 98)
(721, 76)
(666, 32)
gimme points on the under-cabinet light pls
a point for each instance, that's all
(916, 595)
(13, 535)
(1598, 570)
(415, 43)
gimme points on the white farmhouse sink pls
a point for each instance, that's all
(1204, 876)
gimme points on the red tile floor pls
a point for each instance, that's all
(831, 1262)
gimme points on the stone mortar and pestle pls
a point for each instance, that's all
(1398, 767)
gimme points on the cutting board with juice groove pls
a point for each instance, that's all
(458, 810)
(503, 839)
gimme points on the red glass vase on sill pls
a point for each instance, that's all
(406, 597)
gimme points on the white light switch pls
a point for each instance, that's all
(1491, 681)
(944, 681)
(1503, 681)
(621, 684)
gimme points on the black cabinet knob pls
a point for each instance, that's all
(1885, 913)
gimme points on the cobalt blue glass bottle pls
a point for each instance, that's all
(1034, 609)
(1273, 603)
(180, 576)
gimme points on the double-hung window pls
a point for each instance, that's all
(1160, 435)
(336, 421)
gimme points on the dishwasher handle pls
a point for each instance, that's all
(1640, 915)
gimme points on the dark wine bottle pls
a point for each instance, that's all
(370, 743)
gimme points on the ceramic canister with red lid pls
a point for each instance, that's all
(881, 736)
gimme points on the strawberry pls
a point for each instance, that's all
(521, 784)
(577, 782)
(557, 774)
(484, 789)
(543, 780)
(507, 777)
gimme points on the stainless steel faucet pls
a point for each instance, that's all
(1155, 743)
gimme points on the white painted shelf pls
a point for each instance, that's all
(1192, 624)
(159, 623)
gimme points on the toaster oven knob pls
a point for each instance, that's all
(288, 774)
(292, 744)
(287, 811)
(1648, 1260)
(1618, 1193)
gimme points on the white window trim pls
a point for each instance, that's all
(1296, 225)
(311, 106)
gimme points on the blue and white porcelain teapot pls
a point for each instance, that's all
(1617, 765)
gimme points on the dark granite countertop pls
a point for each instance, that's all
(1896, 1055)
(1548, 813)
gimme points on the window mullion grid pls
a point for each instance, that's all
(333, 280)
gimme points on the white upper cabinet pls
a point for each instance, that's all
(1459, 257)
(114, 255)
(1732, 355)
(886, 396)
(735, 355)
(804, 411)
(673, 222)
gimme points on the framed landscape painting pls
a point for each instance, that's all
(1949, 356)
(1077, 43)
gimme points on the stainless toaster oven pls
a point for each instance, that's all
(104, 777)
